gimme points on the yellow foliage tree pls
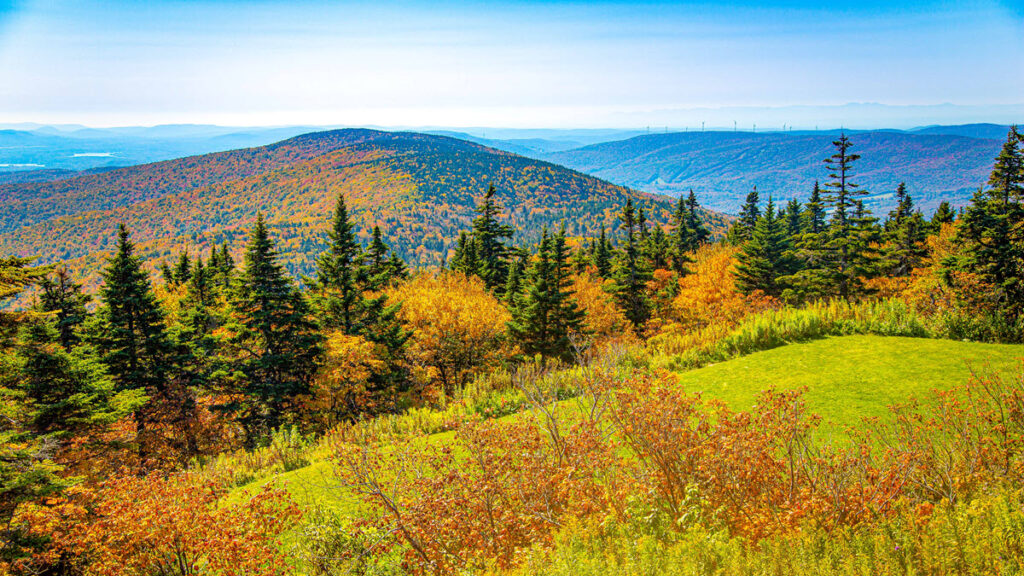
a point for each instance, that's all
(457, 326)
(604, 322)
(341, 386)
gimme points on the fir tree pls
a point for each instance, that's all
(792, 218)
(517, 271)
(336, 294)
(813, 217)
(603, 256)
(682, 238)
(744, 225)
(944, 214)
(465, 257)
(489, 237)
(765, 257)
(699, 234)
(278, 345)
(60, 296)
(631, 272)
(379, 267)
(183, 270)
(546, 315)
(991, 230)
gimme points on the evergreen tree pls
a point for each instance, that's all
(631, 273)
(489, 236)
(904, 208)
(465, 258)
(765, 257)
(546, 315)
(657, 249)
(792, 218)
(813, 217)
(336, 295)
(682, 238)
(278, 346)
(517, 271)
(183, 270)
(850, 232)
(60, 296)
(130, 333)
(991, 230)
(944, 214)
(744, 225)
(603, 256)
(699, 234)
(379, 267)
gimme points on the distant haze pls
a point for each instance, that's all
(514, 63)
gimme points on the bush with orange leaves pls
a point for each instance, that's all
(497, 490)
(175, 525)
(457, 327)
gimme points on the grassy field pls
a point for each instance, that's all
(851, 377)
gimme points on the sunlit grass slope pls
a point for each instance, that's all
(851, 377)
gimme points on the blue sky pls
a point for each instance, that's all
(511, 63)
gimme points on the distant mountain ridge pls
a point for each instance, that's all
(722, 167)
(420, 189)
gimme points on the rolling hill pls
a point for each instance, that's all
(722, 167)
(420, 189)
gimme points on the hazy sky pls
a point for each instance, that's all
(507, 63)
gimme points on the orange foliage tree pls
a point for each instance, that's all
(457, 326)
(603, 320)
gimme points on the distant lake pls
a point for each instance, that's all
(93, 155)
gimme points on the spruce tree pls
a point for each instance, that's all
(682, 238)
(546, 315)
(278, 344)
(61, 297)
(944, 214)
(603, 256)
(793, 218)
(379, 267)
(335, 293)
(765, 257)
(183, 270)
(991, 230)
(744, 225)
(850, 233)
(631, 273)
(131, 333)
(465, 257)
(813, 217)
(489, 237)
(699, 234)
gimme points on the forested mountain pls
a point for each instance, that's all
(722, 167)
(420, 189)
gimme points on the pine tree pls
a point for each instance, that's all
(765, 257)
(489, 236)
(631, 273)
(278, 346)
(991, 230)
(517, 271)
(657, 251)
(849, 234)
(904, 208)
(60, 296)
(465, 257)
(379, 267)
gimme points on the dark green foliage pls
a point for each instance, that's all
(277, 344)
(765, 257)
(744, 224)
(905, 235)
(129, 330)
(62, 298)
(378, 266)
(336, 295)
(546, 317)
(791, 216)
(631, 272)
(183, 270)
(682, 238)
(465, 258)
(517, 271)
(489, 237)
(699, 233)
(991, 231)
(813, 216)
(603, 256)
(944, 214)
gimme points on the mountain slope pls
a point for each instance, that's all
(420, 189)
(722, 167)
